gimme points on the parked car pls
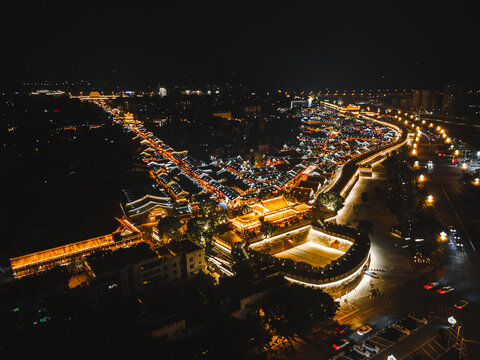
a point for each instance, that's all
(370, 346)
(340, 344)
(361, 350)
(401, 328)
(418, 318)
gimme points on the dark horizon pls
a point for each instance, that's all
(418, 45)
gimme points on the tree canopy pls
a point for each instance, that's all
(330, 200)
(268, 229)
(168, 226)
(294, 310)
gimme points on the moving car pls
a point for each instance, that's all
(342, 328)
(430, 285)
(340, 344)
(461, 304)
(401, 328)
(361, 350)
(418, 318)
(371, 273)
(445, 289)
(370, 346)
(364, 330)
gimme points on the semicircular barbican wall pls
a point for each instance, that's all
(330, 257)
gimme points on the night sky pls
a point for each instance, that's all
(272, 44)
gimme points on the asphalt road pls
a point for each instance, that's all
(400, 284)
(462, 264)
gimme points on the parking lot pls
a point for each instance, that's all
(430, 350)
(388, 337)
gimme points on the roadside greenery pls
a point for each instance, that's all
(330, 200)
(406, 199)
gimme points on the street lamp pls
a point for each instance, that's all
(476, 181)
(457, 152)
(443, 236)
(414, 152)
(430, 199)
(421, 178)
(464, 166)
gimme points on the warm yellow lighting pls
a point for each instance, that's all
(415, 145)
(430, 125)
(448, 140)
(444, 135)
(430, 199)
(438, 128)
(464, 166)
(457, 152)
(421, 178)
(476, 181)
(423, 121)
(414, 152)
(416, 164)
(443, 236)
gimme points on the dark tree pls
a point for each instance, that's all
(168, 226)
(268, 229)
(365, 225)
(330, 200)
(200, 229)
(295, 309)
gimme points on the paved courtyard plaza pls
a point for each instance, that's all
(311, 253)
